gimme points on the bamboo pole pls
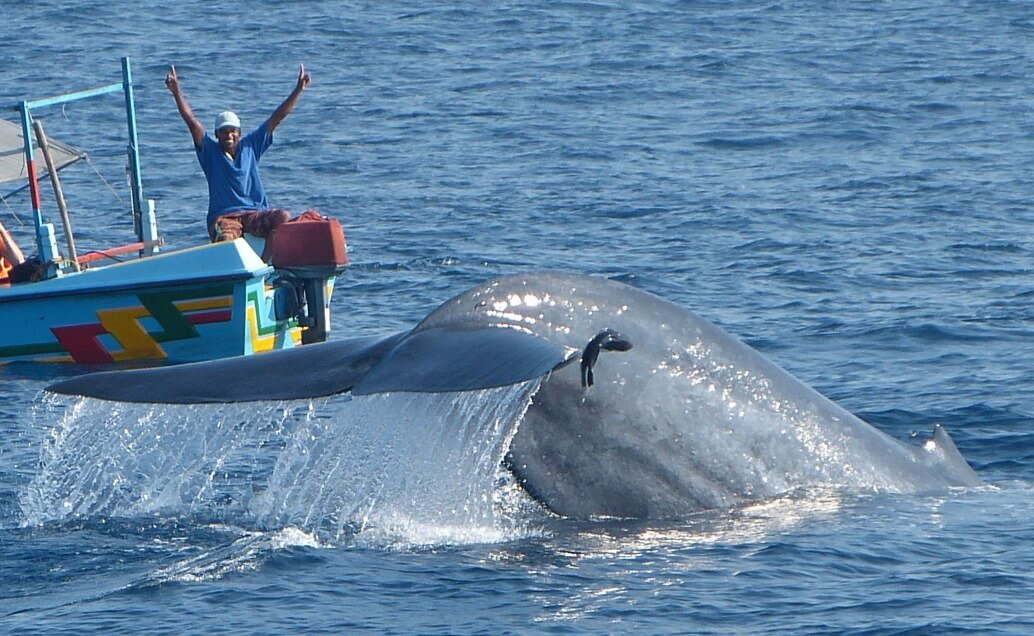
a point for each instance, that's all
(59, 195)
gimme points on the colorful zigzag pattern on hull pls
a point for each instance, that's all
(177, 312)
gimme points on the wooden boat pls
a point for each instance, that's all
(209, 301)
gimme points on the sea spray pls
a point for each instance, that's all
(385, 470)
(126, 460)
(411, 468)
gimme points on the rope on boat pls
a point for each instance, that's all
(12, 210)
(89, 162)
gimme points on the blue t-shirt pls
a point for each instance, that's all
(235, 184)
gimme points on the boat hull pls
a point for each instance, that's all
(202, 303)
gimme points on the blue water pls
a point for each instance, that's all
(844, 186)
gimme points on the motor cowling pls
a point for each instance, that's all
(308, 251)
(309, 240)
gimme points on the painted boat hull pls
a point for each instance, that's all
(203, 303)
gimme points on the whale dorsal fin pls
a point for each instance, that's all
(951, 461)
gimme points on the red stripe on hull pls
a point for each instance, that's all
(209, 317)
(81, 343)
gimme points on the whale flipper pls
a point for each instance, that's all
(431, 360)
(443, 359)
(305, 372)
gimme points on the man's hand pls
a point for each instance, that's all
(171, 81)
(303, 78)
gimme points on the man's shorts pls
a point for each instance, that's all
(260, 223)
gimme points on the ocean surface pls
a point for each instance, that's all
(847, 187)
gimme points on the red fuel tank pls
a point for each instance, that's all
(309, 239)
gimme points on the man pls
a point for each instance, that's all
(10, 255)
(236, 199)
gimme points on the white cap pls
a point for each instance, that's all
(227, 119)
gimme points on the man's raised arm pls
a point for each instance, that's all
(283, 109)
(197, 130)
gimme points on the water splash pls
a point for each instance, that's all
(410, 468)
(383, 470)
(129, 460)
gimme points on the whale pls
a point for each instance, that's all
(643, 408)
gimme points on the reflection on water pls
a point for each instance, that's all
(656, 556)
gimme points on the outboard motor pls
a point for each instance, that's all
(308, 253)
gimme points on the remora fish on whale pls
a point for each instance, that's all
(680, 416)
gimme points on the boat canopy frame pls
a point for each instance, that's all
(144, 221)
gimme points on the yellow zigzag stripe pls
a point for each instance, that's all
(124, 325)
(261, 343)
